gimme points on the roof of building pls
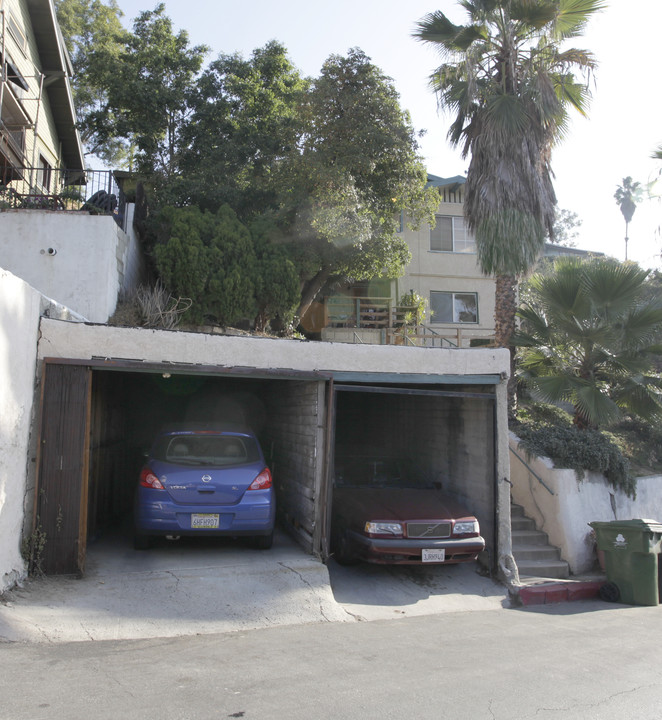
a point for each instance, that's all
(436, 181)
(56, 67)
(552, 250)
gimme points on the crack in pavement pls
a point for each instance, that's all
(305, 582)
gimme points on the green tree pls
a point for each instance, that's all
(509, 85)
(358, 170)
(277, 285)
(627, 196)
(232, 274)
(330, 162)
(566, 228)
(245, 121)
(589, 336)
(95, 38)
(150, 88)
(208, 257)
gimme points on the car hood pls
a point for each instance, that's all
(363, 504)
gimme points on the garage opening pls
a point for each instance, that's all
(443, 435)
(98, 420)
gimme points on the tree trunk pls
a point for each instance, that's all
(505, 308)
(311, 290)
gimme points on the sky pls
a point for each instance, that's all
(623, 128)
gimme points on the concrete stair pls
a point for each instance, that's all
(534, 556)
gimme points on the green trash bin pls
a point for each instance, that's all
(632, 549)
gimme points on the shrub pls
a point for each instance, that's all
(547, 431)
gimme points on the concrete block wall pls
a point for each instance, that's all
(456, 444)
(292, 431)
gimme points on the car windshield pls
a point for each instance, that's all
(190, 449)
(378, 473)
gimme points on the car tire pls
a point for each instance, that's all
(342, 553)
(263, 542)
(141, 542)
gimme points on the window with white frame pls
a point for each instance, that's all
(17, 33)
(454, 307)
(450, 234)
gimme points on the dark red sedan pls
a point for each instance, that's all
(384, 514)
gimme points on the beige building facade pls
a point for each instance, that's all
(444, 271)
(38, 135)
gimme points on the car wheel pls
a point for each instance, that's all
(342, 552)
(141, 542)
(262, 542)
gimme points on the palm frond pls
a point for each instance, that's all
(642, 326)
(614, 286)
(640, 396)
(574, 15)
(448, 38)
(552, 388)
(595, 406)
(535, 16)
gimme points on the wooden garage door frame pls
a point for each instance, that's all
(60, 508)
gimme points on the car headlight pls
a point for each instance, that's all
(383, 528)
(466, 527)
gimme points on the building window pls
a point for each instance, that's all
(45, 170)
(17, 34)
(454, 307)
(451, 235)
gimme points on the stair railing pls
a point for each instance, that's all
(532, 471)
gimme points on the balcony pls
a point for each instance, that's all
(379, 321)
(45, 188)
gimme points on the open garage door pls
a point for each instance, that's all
(98, 418)
(445, 431)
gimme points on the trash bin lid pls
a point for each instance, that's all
(634, 524)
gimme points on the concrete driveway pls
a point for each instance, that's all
(195, 587)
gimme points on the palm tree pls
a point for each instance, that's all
(509, 85)
(589, 334)
(627, 196)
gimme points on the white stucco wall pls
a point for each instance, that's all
(565, 514)
(73, 340)
(80, 260)
(19, 325)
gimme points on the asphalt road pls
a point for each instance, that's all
(586, 660)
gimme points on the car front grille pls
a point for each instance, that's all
(440, 529)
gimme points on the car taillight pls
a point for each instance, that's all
(149, 480)
(262, 481)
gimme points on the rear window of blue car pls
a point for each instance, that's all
(206, 449)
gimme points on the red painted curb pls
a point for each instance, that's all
(559, 592)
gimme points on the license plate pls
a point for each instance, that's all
(207, 521)
(433, 555)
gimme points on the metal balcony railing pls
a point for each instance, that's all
(46, 188)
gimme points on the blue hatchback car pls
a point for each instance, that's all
(205, 482)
